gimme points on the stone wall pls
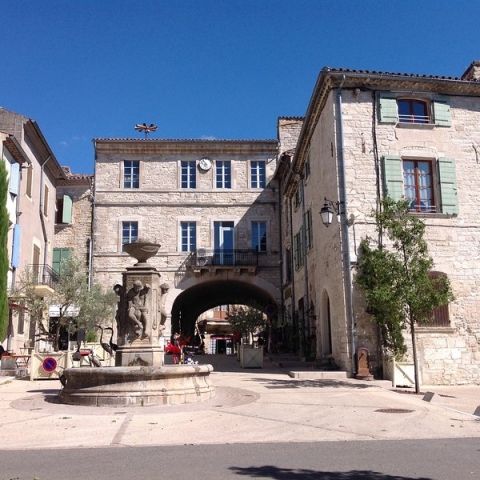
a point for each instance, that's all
(76, 235)
(447, 355)
(160, 204)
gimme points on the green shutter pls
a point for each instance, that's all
(448, 185)
(67, 209)
(442, 115)
(393, 177)
(57, 255)
(388, 110)
(60, 255)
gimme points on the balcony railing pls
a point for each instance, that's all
(425, 119)
(234, 258)
(43, 275)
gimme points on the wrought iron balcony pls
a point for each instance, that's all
(43, 275)
(224, 258)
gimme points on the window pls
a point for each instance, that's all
(308, 230)
(298, 249)
(298, 199)
(257, 174)
(259, 236)
(418, 185)
(223, 174)
(188, 236)
(307, 166)
(288, 265)
(189, 174)
(28, 189)
(64, 210)
(60, 255)
(429, 184)
(131, 174)
(129, 232)
(45, 201)
(440, 316)
(413, 111)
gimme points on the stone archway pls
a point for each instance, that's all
(190, 302)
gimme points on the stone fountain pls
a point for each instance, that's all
(139, 376)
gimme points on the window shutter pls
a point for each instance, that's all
(393, 177)
(442, 115)
(57, 256)
(67, 209)
(388, 110)
(448, 185)
(16, 246)
(14, 177)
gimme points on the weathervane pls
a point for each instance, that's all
(146, 129)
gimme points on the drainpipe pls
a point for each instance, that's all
(342, 195)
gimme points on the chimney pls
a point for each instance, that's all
(472, 72)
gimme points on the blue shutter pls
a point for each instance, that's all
(392, 177)
(442, 114)
(448, 185)
(388, 110)
(16, 246)
(14, 178)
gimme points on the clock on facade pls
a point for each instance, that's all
(205, 164)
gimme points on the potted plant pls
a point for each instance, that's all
(248, 321)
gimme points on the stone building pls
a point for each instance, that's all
(211, 206)
(73, 223)
(367, 134)
(33, 178)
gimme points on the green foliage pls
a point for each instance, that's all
(4, 221)
(72, 296)
(395, 277)
(246, 320)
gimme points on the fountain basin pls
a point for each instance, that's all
(141, 386)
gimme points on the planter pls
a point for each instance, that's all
(251, 357)
(402, 374)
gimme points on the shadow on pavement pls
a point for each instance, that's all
(295, 383)
(269, 471)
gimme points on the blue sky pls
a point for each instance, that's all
(207, 68)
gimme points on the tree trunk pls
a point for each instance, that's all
(414, 351)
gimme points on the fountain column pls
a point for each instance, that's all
(140, 322)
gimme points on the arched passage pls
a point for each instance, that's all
(205, 295)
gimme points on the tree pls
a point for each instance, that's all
(246, 320)
(78, 306)
(4, 222)
(396, 278)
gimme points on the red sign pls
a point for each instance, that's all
(49, 364)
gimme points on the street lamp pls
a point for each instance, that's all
(329, 208)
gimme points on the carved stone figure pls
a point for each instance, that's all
(137, 308)
(164, 287)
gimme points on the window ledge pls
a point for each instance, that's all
(446, 330)
(425, 126)
(432, 215)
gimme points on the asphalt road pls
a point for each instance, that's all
(445, 459)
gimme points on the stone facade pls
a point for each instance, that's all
(160, 204)
(35, 216)
(347, 142)
(75, 233)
